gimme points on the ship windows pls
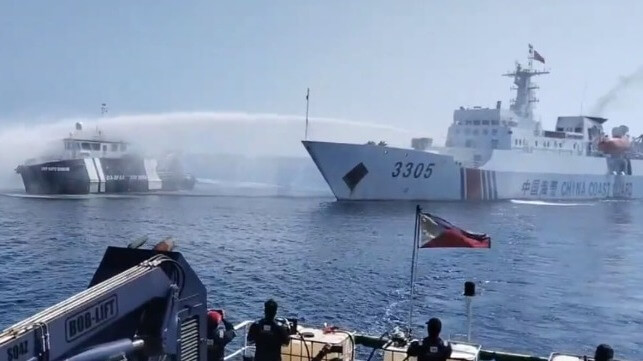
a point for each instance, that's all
(536, 143)
(495, 122)
(468, 122)
(476, 132)
(494, 131)
(85, 146)
(95, 146)
(123, 147)
(485, 122)
(104, 147)
(476, 122)
(485, 131)
(114, 147)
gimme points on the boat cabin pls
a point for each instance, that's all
(80, 145)
(83, 148)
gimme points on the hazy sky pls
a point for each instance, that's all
(401, 63)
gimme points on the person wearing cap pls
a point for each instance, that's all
(604, 353)
(220, 333)
(432, 347)
(269, 334)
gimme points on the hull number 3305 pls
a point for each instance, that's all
(411, 169)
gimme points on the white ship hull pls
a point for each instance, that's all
(372, 172)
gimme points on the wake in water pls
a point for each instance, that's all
(68, 196)
(543, 203)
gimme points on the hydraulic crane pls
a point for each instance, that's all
(140, 304)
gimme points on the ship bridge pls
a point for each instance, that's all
(478, 132)
(82, 145)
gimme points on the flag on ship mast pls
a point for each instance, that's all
(432, 231)
(535, 55)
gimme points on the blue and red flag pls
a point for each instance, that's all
(436, 232)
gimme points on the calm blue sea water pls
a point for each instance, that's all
(558, 278)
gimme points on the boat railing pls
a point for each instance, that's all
(245, 325)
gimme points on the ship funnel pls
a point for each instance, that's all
(79, 126)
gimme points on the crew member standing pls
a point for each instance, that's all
(220, 333)
(432, 348)
(269, 335)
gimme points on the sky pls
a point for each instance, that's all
(400, 64)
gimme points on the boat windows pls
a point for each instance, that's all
(468, 122)
(476, 122)
(476, 132)
(495, 122)
(95, 146)
(536, 142)
(485, 131)
(85, 146)
(485, 122)
(104, 147)
(123, 147)
(114, 147)
(494, 131)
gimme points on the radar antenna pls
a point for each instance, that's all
(525, 95)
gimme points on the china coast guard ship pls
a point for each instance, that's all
(492, 154)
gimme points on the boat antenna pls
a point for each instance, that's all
(307, 103)
(103, 109)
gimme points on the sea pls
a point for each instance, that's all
(559, 277)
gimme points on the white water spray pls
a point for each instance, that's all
(246, 134)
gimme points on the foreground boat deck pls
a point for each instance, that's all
(307, 343)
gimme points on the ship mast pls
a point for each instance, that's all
(525, 88)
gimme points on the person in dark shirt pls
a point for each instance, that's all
(432, 348)
(268, 335)
(604, 353)
(220, 333)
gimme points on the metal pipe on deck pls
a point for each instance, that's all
(108, 350)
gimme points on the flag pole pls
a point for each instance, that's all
(413, 267)
(307, 96)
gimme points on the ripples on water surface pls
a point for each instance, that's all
(557, 278)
